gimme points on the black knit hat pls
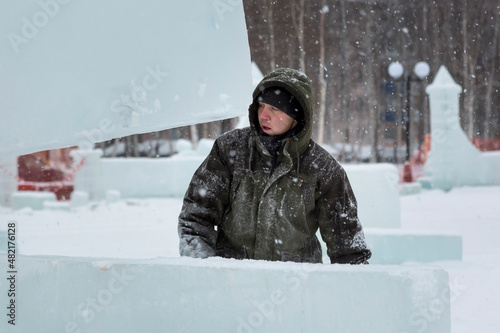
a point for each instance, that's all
(283, 100)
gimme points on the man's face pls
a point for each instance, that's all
(273, 121)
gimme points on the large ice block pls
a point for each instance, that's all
(376, 189)
(375, 185)
(398, 246)
(89, 177)
(220, 295)
(149, 177)
(32, 199)
(79, 72)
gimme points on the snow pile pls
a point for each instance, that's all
(474, 213)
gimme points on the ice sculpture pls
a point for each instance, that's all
(453, 160)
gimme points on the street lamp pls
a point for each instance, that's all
(396, 71)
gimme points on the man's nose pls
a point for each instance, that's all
(266, 113)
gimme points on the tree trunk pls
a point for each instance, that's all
(116, 143)
(370, 95)
(135, 145)
(490, 82)
(299, 31)
(194, 136)
(167, 135)
(321, 75)
(270, 21)
(466, 79)
(154, 143)
(345, 83)
(471, 53)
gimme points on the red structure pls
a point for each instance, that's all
(486, 144)
(48, 170)
(413, 169)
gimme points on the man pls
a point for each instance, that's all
(264, 191)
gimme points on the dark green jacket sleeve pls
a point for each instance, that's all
(338, 221)
(203, 207)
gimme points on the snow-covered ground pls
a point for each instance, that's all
(473, 212)
(147, 228)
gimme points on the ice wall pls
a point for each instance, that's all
(375, 185)
(33, 199)
(79, 72)
(220, 295)
(398, 246)
(89, 175)
(453, 160)
(392, 246)
(376, 189)
(142, 178)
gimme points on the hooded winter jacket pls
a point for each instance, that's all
(240, 204)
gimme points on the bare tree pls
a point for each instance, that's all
(472, 18)
(270, 21)
(321, 75)
(194, 136)
(116, 143)
(468, 97)
(299, 31)
(370, 83)
(345, 79)
(490, 80)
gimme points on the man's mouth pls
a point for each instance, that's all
(265, 127)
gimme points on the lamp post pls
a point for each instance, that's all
(396, 71)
